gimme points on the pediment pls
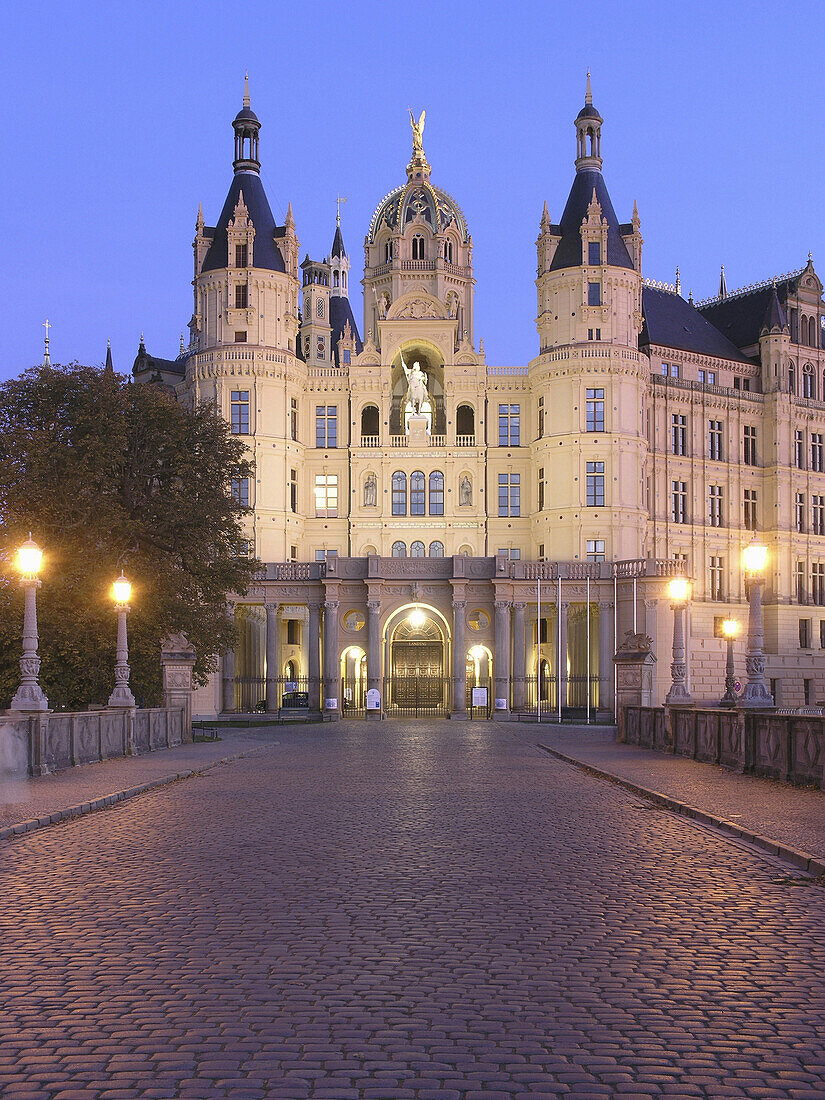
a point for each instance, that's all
(417, 305)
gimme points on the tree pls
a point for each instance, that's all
(108, 475)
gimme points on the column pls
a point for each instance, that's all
(606, 650)
(313, 658)
(519, 657)
(459, 711)
(374, 652)
(561, 657)
(273, 655)
(502, 660)
(229, 681)
(331, 660)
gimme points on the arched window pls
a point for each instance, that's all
(335, 279)
(399, 494)
(319, 307)
(465, 422)
(808, 381)
(344, 279)
(448, 251)
(417, 549)
(465, 551)
(399, 550)
(289, 671)
(418, 248)
(436, 493)
(369, 423)
(388, 252)
(791, 378)
(436, 549)
(417, 493)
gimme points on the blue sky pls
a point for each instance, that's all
(117, 122)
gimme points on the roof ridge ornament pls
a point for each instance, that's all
(751, 288)
(246, 101)
(588, 95)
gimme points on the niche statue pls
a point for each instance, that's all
(369, 491)
(417, 395)
(465, 491)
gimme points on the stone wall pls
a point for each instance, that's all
(782, 746)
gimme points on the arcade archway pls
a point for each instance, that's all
(417, 681)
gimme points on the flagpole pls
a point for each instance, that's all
(538, 640)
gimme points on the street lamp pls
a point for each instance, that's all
(730, 628)
(679, 592)
(29, 696)
(756, 692)
(122, 696)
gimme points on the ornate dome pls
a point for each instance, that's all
(417, 198)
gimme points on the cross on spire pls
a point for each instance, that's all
(338, 200)
(46, 359)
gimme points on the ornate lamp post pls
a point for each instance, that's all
(29, 696)
(679, 592)
(730, 628)
(122, 696)
(756, 692)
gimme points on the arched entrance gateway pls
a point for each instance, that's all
(417, 682)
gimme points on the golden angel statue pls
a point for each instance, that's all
(418, 131)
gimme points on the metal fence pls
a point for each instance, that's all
(289, 694)
(531, 697)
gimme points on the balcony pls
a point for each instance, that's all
(465, 441)
(370, 440)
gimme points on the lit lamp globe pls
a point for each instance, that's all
(122, 589)
(477, 652)
(755, 557)
(730, 628)
(29, 558)
(417, 618)
(679, 590)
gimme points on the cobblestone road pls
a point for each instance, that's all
(433, 912)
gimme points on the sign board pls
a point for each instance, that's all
(480, 697)
(373, 699)
(501, 704)
(291, 685)
(331, 704)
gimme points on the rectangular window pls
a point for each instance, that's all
(240, 490)
(595, 484)
(326, 426)
(707, 377)
(240, 337)
(241, 296)
(541, 551)
(715, 505)
(326, 495)
(594, 252)
(822, 633)
(541, 418)
(816, 452)
(293, 418)
(509, 495)
(799, 577)
(293, 632)
(508, 552)
(818, 583)
(241, 255)
(293, 490)
(239, 412)
(508, 425)
(595, 410)
(749, 445)
(716, 569)
(541, 489)
(672, 369)
(807, 691)
(750, 510)
(799, 449)
(595, 549)
(715, 440)
(817, 514)
(804, 633)
(594, 294)
(347, 357)
(678, 434)
(799, 513)
(679, 501)
(293, 553)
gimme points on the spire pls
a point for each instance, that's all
(678, 281)
(46, 358)
(774, 315)
(182, 345)
(545, 217)
(588, 134)
(246, 127)
(199, 223)
(108, 368)
(723, 286)
(289, 220)
(690, 296)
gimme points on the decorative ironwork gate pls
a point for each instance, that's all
(353, 697)
(409, 695)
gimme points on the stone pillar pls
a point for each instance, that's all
(331, 661)
(459, 710)
(313, 658)
(519, 657)
(374, 653)
(177, 659)
(606, 650)
(273, 655)
(502, 660)
(229, 681)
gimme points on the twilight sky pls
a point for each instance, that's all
(117, 122)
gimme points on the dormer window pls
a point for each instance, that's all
(418, 248)
(594, 252)
(241, 255)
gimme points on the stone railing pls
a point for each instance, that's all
(465, 441)
(780, 746)
(44, 743)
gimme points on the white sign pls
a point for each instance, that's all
(480, 697)
(373, 699)
(291, 685)
(331, 704)
(501, 704)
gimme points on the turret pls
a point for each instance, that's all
(774, 343)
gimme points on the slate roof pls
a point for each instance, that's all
(338, 243)
(265, 252)
(774, 314)
(671, 322)
(741, 316)
(569, 251)
(340, 311)
(154, 368)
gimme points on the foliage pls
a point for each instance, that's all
(108, 475)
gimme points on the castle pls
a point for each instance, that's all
(439, 535)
